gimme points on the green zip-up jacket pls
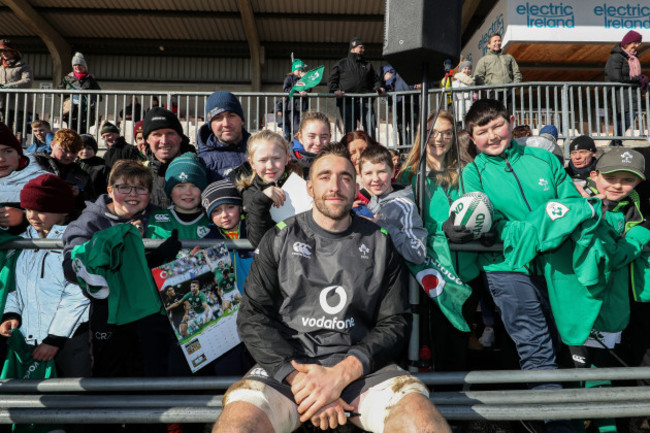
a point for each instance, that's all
(517, 182)
(585, 257)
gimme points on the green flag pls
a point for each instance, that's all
(310, 79)
(439, 281)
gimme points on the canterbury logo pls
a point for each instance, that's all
(302, 249)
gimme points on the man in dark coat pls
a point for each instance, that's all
(354, 74)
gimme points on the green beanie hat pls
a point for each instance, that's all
(183, 169)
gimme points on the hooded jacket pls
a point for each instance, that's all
(49, 308)
(496, 68)
(12, 184)
(220, 158)
(94, 218)
(286, 312)
(397, 213)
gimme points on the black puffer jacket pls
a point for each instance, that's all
(121, 150)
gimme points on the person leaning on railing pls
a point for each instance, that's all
(15, 73)
(78, 109)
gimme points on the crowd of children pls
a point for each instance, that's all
(61, 303)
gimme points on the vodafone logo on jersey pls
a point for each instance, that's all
(431, 281)
(335, 309)
(332, 300)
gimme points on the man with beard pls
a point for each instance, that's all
(222, 139)
(325, 315)
(354, 74)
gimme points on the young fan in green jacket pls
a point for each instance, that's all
(517, 180)
(616, 175)
(185, 179)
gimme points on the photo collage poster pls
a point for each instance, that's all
(201, 297)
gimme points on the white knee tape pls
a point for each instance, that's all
(281, 411)
(375, 403)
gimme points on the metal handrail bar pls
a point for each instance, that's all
(8, 386)
(190, 414)
(517, 396)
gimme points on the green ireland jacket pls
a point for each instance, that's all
(519, 181)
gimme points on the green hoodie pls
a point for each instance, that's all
(519, 181)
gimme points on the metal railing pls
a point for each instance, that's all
(96, 400)
(575, 108)
(150, 400)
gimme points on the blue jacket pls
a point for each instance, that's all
(37, 146)
(219, 158)
(49, 307)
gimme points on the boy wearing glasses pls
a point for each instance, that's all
(115, 348)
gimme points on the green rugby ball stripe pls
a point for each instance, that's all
(470, 211)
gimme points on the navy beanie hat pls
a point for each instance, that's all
(220, 102)
(160, 118)
(218, 193)
(185, 169)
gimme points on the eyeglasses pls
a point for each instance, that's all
(444, 134)
(126, 189)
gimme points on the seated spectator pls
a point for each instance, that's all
(271, 163)
(117, 146)
(549, 132)
(66, 144)
(222, 139)
(314, 132)
(93, 164)
(397, 163)
(393, 206)
(138, 137)
(16, 170)
(522, 131)
(132, 112)
(312, 373)
(165, 140)
(583, 158)
(356, 142)
(42, 137)
(51, 313)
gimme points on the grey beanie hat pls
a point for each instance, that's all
(79, 59)
(465, 64)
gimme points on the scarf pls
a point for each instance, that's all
(9, 63)
(633, 62)
(80, 75)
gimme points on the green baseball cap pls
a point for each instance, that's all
(297, 64)
(622, 160)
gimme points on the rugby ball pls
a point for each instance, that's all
(474, 211)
